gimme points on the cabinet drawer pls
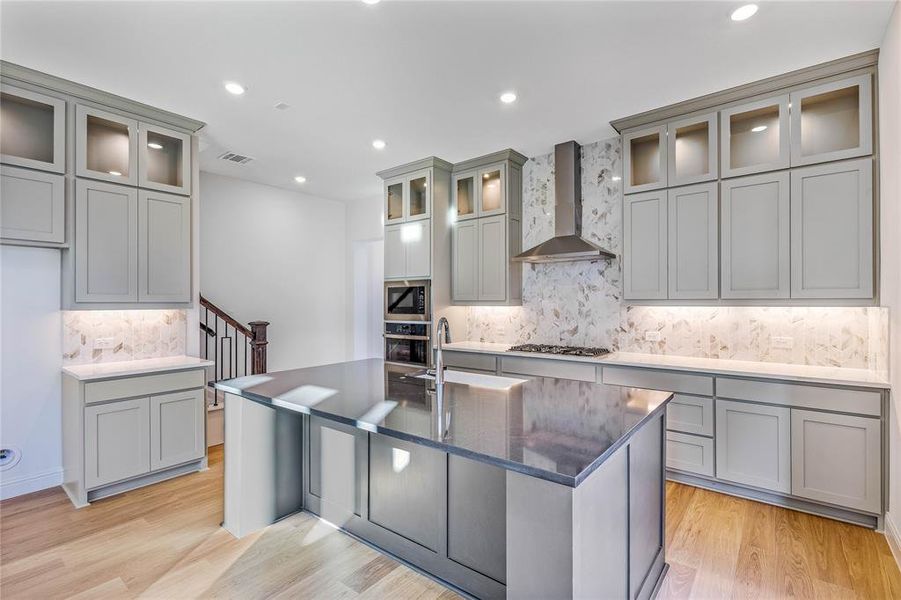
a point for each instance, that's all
(548, 367)
(146, 385)
(690, 453)
(32, 205)
(801, 396)
(690, 414)
(700, 385)
(471, 361)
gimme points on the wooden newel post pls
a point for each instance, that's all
(258, 345)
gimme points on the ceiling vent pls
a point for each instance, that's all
(235, 158)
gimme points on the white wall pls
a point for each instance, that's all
(365, 275)
(30, 363)
(890, 215)
(279, 256)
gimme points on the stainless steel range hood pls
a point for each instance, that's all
(567, 243)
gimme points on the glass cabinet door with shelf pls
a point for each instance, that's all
(165, 159)
(419, 206)
(492, 191)
(394, 201)
(465, 196)
(106, 146)
(644, 160)
(32, 130)
(691, 150)
(755, 137)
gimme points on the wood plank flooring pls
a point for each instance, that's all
(165, 542)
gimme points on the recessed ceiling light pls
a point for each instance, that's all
(378, 144)
(234, 88)
(759, 128)
(744, 12)
(508, 97)
(371, 1)
(300, 179)
(155, 146)
(115, 173)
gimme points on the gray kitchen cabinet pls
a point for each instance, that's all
(164, 253)
(409, 197)
(334, 471)
(836, 459)
(755, 137)
(395, 253)
(417, 240)
(32, 129)
(832, 230)
(493, 258)
(690, 414)
(463, 202)
(645, 246)
(492, 190)
(106, 146)
(644, 160)
(832, 121)
(693, 242)
(407, 489)
(177, 428)
(689, 453)
(755, 228)
(395, 200)
(465, 276)
(164, 159)
(117, 441)
(32, 206)
(106, 242)
(692, 150)
(753, 445)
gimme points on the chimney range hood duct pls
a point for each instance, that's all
(567, 243)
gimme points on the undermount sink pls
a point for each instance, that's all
(476, 379)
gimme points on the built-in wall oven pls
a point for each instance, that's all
(407, 344)
(407, 300)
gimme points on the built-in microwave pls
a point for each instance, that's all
(408, 344)
(407, 300)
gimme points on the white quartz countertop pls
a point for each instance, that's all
(716, 366)
(125, 368)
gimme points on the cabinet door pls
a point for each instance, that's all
(334, 477)
(106, 242)
(419, 196)
(691, 453)
(493, 258)
(644, 160)
(753, 445)
(177, 428)
(106, 146)
(692, 150)
(645, 246)
(832, 121)
(32, 205)
(164, 254)
(755, 137)
(164, 159)
(117, 441)
(395, 253)
(464, 195)
(32, 130)
(417, 240)
(832, 230)
(693, 242)
(395, 200)
(465, 270)
(835, 459)
(492, 190)
(755, 236)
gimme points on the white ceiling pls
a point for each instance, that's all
(424, 76)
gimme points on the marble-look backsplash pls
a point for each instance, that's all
(580, 303)
(136, 334)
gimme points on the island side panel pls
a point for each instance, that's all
(646, 509)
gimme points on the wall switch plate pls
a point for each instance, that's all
(103, 343)
(652, 336)
(785, 343)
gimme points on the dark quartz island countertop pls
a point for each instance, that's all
(559, 430)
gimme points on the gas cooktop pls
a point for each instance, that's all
(567, 350)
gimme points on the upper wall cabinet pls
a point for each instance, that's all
(464, 195)
(32, 130)
(691, 150)
(645, 246)
(755, 137)
(692, 242)
(408, 198)
(644, 160)
(832, 121)
(32, 206)
(480, 192)
(106, 146)
(164, 162)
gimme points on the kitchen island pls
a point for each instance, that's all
(502, 487)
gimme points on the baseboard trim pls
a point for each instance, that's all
(893, 536)
(10, 488)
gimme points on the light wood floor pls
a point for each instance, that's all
(165, 542)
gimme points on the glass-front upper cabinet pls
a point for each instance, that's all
(691, 150)
(755, 137)
(492, 192)
(164, 159)
(394, 201)
(832, 121)
(419, 205)
(32, 130)
(644, 160)
(106, 146)
(464, 192)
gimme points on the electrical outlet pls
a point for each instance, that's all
(103, 343)
(785, 343)
(652, 336)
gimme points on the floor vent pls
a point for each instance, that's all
(235, 158)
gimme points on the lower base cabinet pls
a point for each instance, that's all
(117, 441)
(690, 453)
(753, 445)
(176, 428)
